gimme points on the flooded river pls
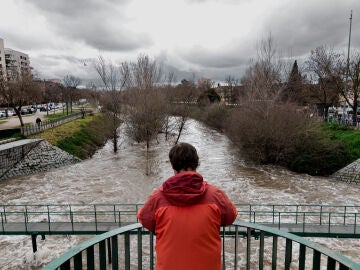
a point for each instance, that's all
(120, 178)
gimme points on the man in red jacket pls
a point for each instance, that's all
(186, 214)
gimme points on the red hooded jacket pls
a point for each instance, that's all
(186, 214)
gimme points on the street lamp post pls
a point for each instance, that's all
(347, 72)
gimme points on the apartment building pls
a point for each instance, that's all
(2, 58)
(13, 62)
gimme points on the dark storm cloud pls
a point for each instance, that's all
(300, 27)
(99, 24)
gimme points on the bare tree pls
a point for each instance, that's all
(113, 81)
(324, 66)
(231, 84)
(205, 84)
(263, 79)
(168, 93)
(22, 90)
(71, 83)
(351, 90)
(146, 111)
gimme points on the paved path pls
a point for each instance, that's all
(14, 122)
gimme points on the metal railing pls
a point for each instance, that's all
(305, 218)
(35, 128)
(253, 246)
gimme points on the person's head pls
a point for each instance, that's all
(183, 157)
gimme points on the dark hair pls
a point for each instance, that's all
(183, 156)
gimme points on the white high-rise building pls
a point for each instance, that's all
(13, 63)
(16, 63)
(2, 58)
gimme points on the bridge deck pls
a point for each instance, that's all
(64, 228)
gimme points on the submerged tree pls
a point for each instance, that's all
(146, 108)
(111, 100)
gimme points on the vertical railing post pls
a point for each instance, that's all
(303, 221)
(316, 260)
(248, 248)
(321, 207)
(102, 255)
(71, 218)
(250, 214)
(274, 252)
(329, 222)
(273, 212)
(151, 250)
(302, 257)
(96, 226)
(26, 219)
(288, 254)
(279, 220)
(139, 238)
(127, 250)
(109, 249)
(236, 246)
(223, 247)
(115, 258)
(4, 213)
(355, 223)
(345, 215)
(261, 251)
(297, 211)
(2, 222)
(114, 213)
(48, 213)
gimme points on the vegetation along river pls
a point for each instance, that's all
(120, 178)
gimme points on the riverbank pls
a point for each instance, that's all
(81, 137)
(284, 138)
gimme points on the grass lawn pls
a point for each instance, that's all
(80, 137)
(350, 137)
(53, 135)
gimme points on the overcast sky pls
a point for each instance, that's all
(210, 38)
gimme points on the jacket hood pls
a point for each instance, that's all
(184, 188)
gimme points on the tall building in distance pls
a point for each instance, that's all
(2, 58)
(13, 62)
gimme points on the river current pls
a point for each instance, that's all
(120, 178)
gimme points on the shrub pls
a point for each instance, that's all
(319, 156)
(267, 133)
(215, 115)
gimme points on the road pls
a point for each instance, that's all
(14, 122)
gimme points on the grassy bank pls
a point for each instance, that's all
(349, 137)
(81, 137)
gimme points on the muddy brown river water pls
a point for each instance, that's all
(120, 178)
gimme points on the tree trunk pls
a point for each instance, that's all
(18, 113)
(181, 127)
(115, 143)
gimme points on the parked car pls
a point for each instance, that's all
(43, 109)
(2, 113)
(24, 111)
(11, 112)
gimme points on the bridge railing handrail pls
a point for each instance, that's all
(73, 257)
(115, 212)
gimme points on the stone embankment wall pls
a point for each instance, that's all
(350, 173)
(26, 157)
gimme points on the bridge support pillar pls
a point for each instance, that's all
(33, 240)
